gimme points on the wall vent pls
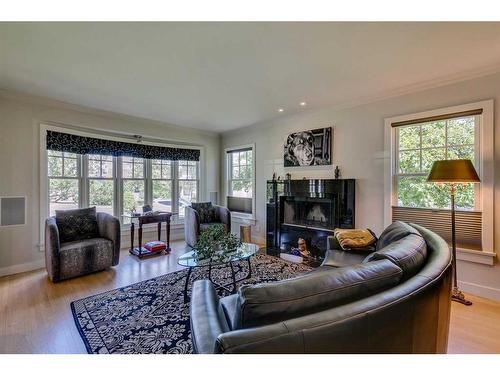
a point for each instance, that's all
(12, 211)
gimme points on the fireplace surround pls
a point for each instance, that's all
(308, 209)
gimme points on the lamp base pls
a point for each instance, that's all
(458, 296)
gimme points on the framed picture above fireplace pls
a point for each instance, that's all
(308, 148)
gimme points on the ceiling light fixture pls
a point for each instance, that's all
(303, 104)
(280, 110)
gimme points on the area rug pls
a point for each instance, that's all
(151, 316)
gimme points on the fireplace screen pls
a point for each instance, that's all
(309, 212)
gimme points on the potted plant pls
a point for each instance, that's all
(215, 243)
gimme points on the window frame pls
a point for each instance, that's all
(485, 167)
(397, 160)
(228, 178)
(83, 176)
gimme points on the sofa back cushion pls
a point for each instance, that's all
(409, 253)
(75, 225)
(394, 232)
(206, 212)
(323, 288)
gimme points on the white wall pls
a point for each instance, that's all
(358, 149)
(20, 117)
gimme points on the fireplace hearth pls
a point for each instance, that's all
(308, 210)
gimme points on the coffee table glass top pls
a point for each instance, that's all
(245, 251)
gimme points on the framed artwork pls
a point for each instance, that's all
(308, 148)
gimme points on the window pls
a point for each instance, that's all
(240, 178)
(414, 142)
(133, 185)
(419, 145)
(188, 184)
(64, 181)
(101, 183)
(117, 185)
(162, 185)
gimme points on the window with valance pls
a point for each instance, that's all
(118, 177)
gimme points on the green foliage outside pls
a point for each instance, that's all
(242, 172)
(419, 147)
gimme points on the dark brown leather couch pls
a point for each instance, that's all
(396, 301)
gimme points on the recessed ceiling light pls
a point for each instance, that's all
(303, 104)
(280, 110)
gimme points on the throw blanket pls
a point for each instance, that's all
(355, 238)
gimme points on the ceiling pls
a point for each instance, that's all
(222, 76)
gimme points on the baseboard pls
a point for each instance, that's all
(480, 290)
(24, 267)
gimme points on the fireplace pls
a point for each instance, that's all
(308, 210)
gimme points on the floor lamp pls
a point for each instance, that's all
(452, 173)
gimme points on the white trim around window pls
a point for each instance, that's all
(485, 166)
(241, 217)
(44, 180)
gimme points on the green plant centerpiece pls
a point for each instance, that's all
(214, 242)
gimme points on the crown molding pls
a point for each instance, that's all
(49, 102)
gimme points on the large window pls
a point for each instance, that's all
(240, 179)
(64, 172)
(188, 184)
(162, 185)
(101, 183)
(419, 145)
(416, 141)
(133, 185)
(119, 185)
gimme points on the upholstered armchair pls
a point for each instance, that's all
(201, 216)
(78, 242)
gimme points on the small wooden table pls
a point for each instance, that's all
(161, 217)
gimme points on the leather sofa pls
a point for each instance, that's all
(395, 300)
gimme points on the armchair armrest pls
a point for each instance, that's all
(207, 318)
(52, 247)
(109, 228)
(191, 226)
(224, 216)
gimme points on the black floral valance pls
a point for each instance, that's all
(86, 145)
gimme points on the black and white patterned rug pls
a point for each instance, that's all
(151, 316)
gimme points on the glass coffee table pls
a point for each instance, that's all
(244, 252)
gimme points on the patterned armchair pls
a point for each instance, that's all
(201, 216)
(78, 242)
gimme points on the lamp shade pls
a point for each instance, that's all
(453, 171)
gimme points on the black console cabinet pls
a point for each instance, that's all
(309, 209)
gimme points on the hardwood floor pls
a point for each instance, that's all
(35, 316)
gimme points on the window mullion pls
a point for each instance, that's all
(175, 187)
(84, 189)
(148, 189)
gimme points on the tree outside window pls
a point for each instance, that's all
(418, 146)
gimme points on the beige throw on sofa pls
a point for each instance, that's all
(354, 238)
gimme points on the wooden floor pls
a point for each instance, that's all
(35, 316)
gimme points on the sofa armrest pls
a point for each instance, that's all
(274, 338)
(52, 247)
(191, 226)
(109, 228)
(332, 243)
(207, 318)
(224, 216)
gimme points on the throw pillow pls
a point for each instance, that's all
(75, 225)
(206, 212)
